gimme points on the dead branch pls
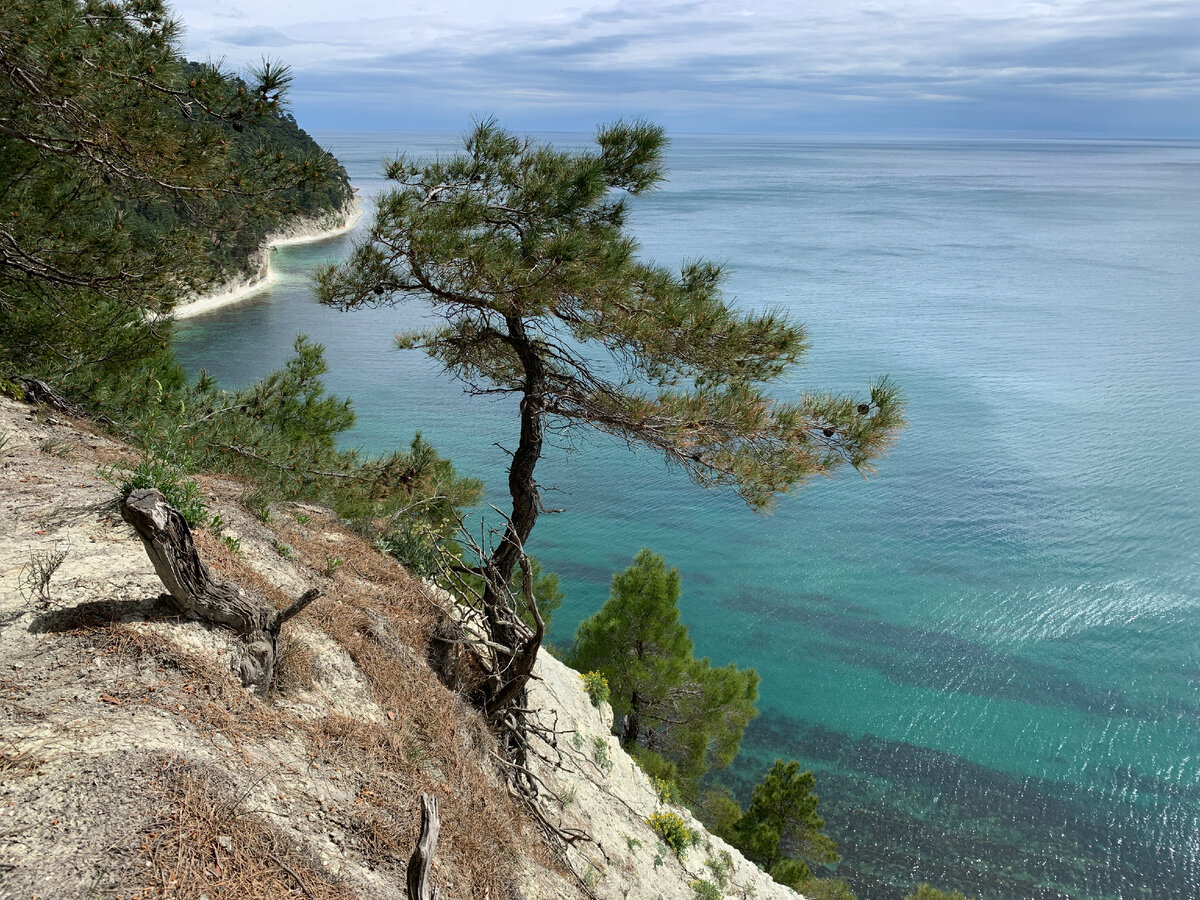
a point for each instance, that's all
(420, 886)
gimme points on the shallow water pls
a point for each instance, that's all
(987, 652)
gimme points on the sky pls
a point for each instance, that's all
(1068, 68)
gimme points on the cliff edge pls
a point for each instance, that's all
(134, 765)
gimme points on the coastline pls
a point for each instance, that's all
(302, 231)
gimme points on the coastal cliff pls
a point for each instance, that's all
(257, 273)
(133, 764)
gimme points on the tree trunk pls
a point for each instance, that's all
(522, 487)
(507, 683)
(168, 543)
(631, 724)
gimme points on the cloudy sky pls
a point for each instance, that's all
(1030, 67)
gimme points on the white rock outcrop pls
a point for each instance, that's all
(604, 793)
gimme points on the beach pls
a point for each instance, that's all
(298, 231)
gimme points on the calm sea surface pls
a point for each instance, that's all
(988, 654)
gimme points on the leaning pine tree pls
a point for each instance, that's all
(522, 251)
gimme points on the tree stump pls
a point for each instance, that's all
(168, 542)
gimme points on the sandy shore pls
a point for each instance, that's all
(305, 231)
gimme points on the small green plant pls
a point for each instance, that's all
(4, 444)
(284, 550)
(671, 828)
(603, 757)
(706, 890)
(631, 842)
(592, 876)
(666, 791)
(233, 542)
(55, 447)
(596, 686)
(172, 481)
(332, 564)
(302, 518)
(567, 797)
(577, 740)
(217, 522)
(258, 503)
(720, 866)
(658, 859)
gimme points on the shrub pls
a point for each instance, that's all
(181, 491)
(671, 828)
(666, 790)
(596, 686)
(706, 890)
(603, 757)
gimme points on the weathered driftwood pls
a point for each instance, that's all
(168, 543)
(420, 885)
(37, 391)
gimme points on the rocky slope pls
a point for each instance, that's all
(134, 765)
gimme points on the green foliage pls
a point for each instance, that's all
(671, 828)
(928, 892)
(665, 790)
(706, 890)
(521, 253)
(825, 889)
(719, 811)
(673, 704)
(281, 435)
(780, 829)
(720, 866)
(596, 686)
(593, 875)
(603, 757)
(180, 491)
(128, 179)
(523, 248)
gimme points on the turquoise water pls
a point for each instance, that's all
(987, 653)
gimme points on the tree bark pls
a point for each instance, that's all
(420, 885)
(507, 683)
(168, 542)
(631, 724)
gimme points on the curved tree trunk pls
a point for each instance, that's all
(507, 683)
(168, 543)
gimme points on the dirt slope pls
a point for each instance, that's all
(134, 765)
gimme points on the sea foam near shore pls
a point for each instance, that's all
(299, 231)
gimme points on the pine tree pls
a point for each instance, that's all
(671, 703)
(121, 168)
(522, 251)
(780, 829)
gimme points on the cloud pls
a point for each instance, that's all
(706, 64)
(256, 36)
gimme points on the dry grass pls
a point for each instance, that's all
(430, 740)
(295, 665)
(206, 843)
(16, 760)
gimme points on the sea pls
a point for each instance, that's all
(987, 652)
